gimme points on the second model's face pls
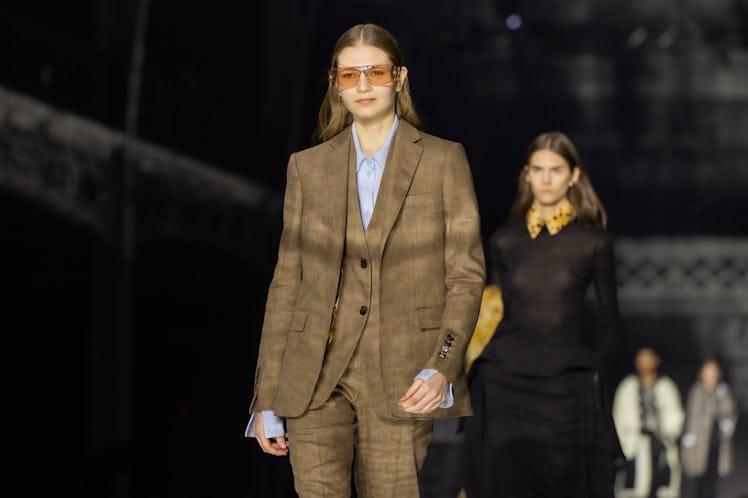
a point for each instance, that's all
(549, 176)
(367, 103)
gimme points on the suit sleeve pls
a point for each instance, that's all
(497, 263)
(465, 267)
(281, 297)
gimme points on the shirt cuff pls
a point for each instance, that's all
(273, 425)
(425, 375)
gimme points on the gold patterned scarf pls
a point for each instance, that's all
(564, 214)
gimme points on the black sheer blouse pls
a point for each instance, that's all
(544, 284)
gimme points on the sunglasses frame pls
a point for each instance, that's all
(333, 74)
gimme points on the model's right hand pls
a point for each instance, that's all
(425, 396)
(277, 446)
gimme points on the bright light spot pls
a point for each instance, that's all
(513, 21)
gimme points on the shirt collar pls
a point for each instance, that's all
(379, 156)
(562, 216)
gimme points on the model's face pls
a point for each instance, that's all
(710, 375)
(646, 361)
(369, 103)
(549, 176)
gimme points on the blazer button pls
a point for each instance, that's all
(363, 263)
(363, 310)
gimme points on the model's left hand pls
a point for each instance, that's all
(425, 396)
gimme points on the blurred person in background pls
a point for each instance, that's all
(648, 416)
(541, 425)
(707, 444)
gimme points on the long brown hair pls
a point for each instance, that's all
(333, 116)
(582, 196)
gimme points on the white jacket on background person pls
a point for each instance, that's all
(636, 445)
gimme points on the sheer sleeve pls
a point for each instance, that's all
(606, 290)
(497, 263)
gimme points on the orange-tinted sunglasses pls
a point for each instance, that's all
(348, 77)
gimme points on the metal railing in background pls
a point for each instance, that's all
(691, 275)
(691, 295)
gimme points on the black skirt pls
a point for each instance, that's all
(535, 436)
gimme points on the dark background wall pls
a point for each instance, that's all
(655, 94)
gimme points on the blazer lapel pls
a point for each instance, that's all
(336, 182)
(402, 162)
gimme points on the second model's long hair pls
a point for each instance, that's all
(333, 116)
(589, 208)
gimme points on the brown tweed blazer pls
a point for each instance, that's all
(428, 259)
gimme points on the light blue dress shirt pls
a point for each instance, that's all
(369, 170)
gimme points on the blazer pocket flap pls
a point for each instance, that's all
(430, 317)
(298, 320)
(419, 199)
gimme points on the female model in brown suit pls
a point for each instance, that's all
(377, 286)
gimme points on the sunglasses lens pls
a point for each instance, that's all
(347, 78)
(379, 75)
